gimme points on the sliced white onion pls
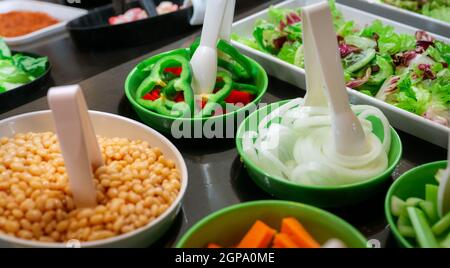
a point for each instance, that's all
(295, 142)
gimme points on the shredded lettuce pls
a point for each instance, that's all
(345, 29)
(289, 53)
(407, 71)
(18, 69)
(438, 9)
(389, 42)
(385, 71)
(444, 50)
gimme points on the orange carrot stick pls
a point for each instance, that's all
(297, 233)
(284, 241)
(259, 236)
(213, 245)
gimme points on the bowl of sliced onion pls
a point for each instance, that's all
(288, 151)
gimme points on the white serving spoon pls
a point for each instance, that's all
(315, 94)
(444, 187)
(204, 60)
(198, 10)
(349, 137)
(77, 140)
(227, 21)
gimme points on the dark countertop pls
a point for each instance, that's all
(216, 176)
(72, 65)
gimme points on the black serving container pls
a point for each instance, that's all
(28, 92)
(92, 30)
(86, 4)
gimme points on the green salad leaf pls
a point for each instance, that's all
(291, 52)
(440, 13)
(361, 42)
(388, 41)
(346, 29)
(265, 34)
(385, 71)
(438, 9)
(246, 41)
(5, 52)
(444, 50)
(34, 66)
(18, 69)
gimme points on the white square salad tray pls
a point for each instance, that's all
(401, 15)
(401, 119)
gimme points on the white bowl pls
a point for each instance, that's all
(110, 126)
(62, 13)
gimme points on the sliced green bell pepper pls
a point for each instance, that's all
(155, 80)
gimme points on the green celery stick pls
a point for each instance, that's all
(403, 219)
(431, 193)
(397, 205)
(442, 225)
(424, 235)
(406, 231)
(445, 243)
(430, 211)
(413, 201)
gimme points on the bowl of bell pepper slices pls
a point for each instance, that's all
(271, 224)
(159, 89)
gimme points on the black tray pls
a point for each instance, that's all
(85, 3)
(217, 178)
(92, 30)
(28, 92)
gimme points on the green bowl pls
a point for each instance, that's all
(227, 226)
(410, 184)
(320, 196)
(217, 123)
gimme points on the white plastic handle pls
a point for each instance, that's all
(227, 21)
(204, 60)
(315, 90)
(213, 22)
(199, 9)
(77, 140)
(349, 137)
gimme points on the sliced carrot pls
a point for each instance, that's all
(259, 236)
(213, 245)
(297, 233)
(284, 241)
(275, 245)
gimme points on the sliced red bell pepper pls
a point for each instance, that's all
(153, 95)
(237, 96)
(202, 103)
(174, 70)
(179, 97)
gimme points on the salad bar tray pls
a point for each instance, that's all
(62, 15)
(409, 122)
(217, 177)
(402, 15)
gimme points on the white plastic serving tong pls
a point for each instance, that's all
(204, 60)
(227, 21)
(77, 140)
(323, 63)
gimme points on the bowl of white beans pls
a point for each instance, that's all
(139, 188)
